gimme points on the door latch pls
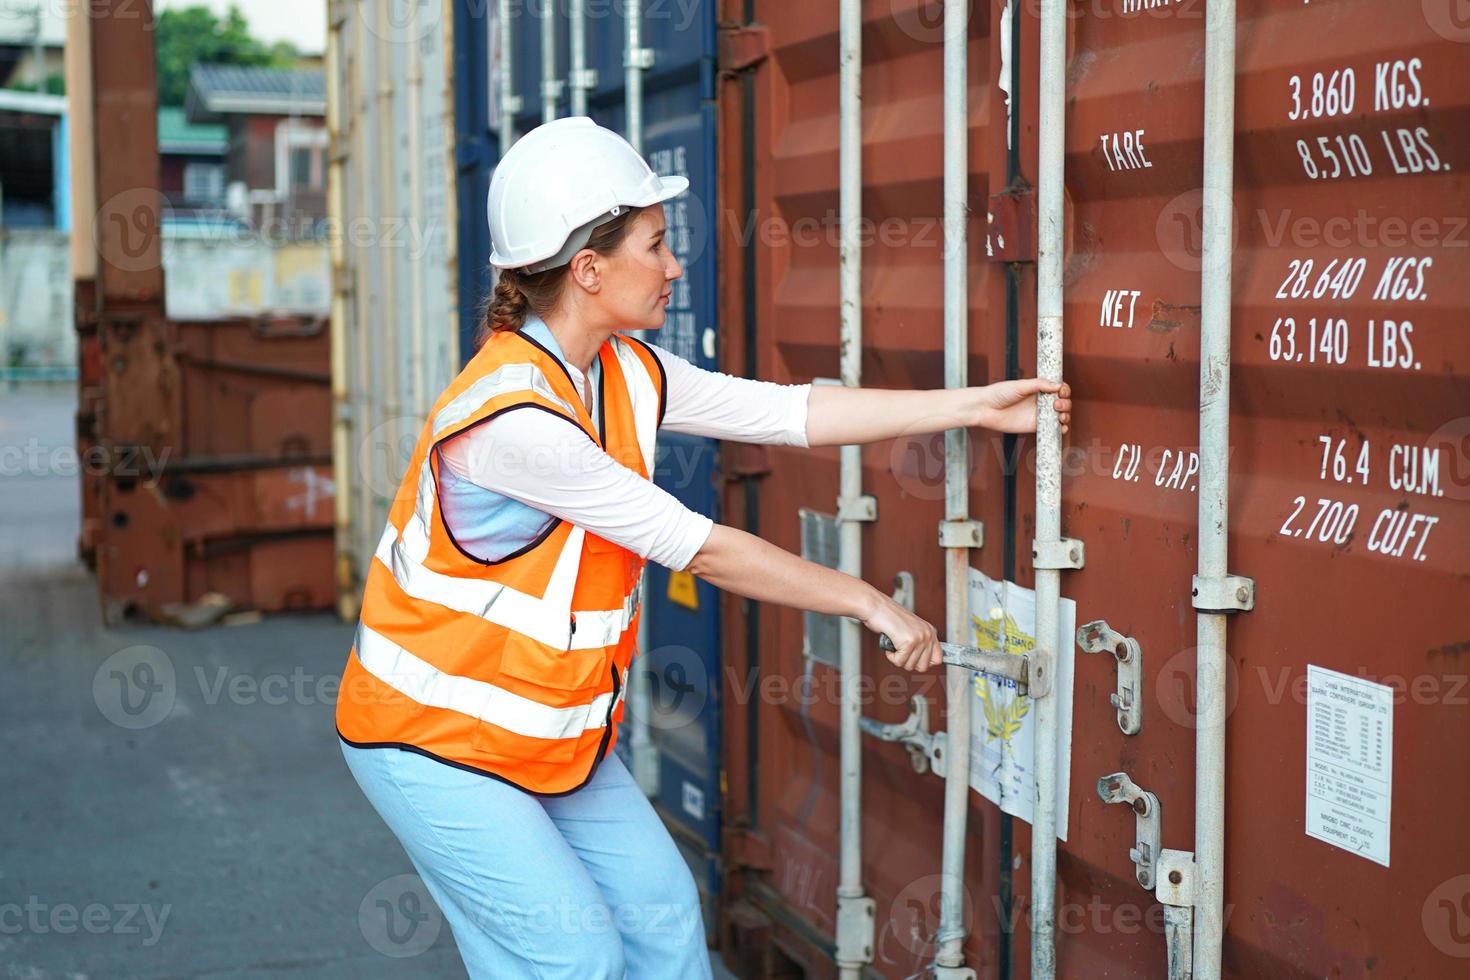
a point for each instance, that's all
(1149, 814)
(1098, 637)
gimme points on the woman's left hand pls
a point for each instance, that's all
(1010, 406)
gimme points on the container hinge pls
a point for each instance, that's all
(913, 733)
(582, 78)
(1232, 593)
(1061, 553)
(1118, 788)
(1176, 892)
(855, 929)
(961, 534)
(551, 89)
(746, 461)
(640, 58)
(742, 48)
(1098, 637)
(745, 848)
(863, 507)
(952, 972)
(514, 104)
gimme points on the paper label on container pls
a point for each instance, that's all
(1349, 762)
(1003, 722)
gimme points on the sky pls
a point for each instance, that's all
(302, 22)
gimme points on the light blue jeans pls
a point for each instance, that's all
(586, 886)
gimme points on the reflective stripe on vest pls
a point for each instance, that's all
(513, 668)
(426, 684)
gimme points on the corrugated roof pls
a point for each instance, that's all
(177, 135)
(218, 89)
(41, 103)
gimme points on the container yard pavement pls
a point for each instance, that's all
(221, 837)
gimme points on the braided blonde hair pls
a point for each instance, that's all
(518, 294)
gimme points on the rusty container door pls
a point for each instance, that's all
(1350, 472)
(205, 444)
(219, 456)
(780, 321)
(1349, 476)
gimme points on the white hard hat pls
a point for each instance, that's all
(557, 183)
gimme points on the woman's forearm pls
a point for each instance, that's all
(738, 562)
(839, 415)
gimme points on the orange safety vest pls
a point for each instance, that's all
(513, 668)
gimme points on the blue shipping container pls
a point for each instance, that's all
(679, 123)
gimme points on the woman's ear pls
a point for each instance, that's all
(585, 272)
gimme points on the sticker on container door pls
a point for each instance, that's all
(1002, 720)
(693, 800)
(1349, 762)
(682, 591)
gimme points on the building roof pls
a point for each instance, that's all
(217, 90)
(18, 24)
(177, 135)
(40, 103)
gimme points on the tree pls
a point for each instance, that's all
(188, 36)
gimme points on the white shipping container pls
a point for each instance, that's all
(391, 208)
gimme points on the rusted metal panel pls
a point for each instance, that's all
(255, 389)
(215, 435)
(204, 444)
(791, 241)
(1359, 570)
(125, 140)
(258, 536)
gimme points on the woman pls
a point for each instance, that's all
(501, 609)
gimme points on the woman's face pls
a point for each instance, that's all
(640, 274)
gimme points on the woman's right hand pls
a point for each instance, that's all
(915, 641)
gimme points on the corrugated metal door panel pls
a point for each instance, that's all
(476, 150)
(1339, 143)
(795, 156)
(1299, 907)
(401, 264)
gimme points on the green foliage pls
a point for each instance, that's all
(55, 84)
(188, 36)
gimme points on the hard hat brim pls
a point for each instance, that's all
(668, 187)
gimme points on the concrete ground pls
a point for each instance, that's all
(174, 804)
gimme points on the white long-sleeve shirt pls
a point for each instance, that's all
(551, 467)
